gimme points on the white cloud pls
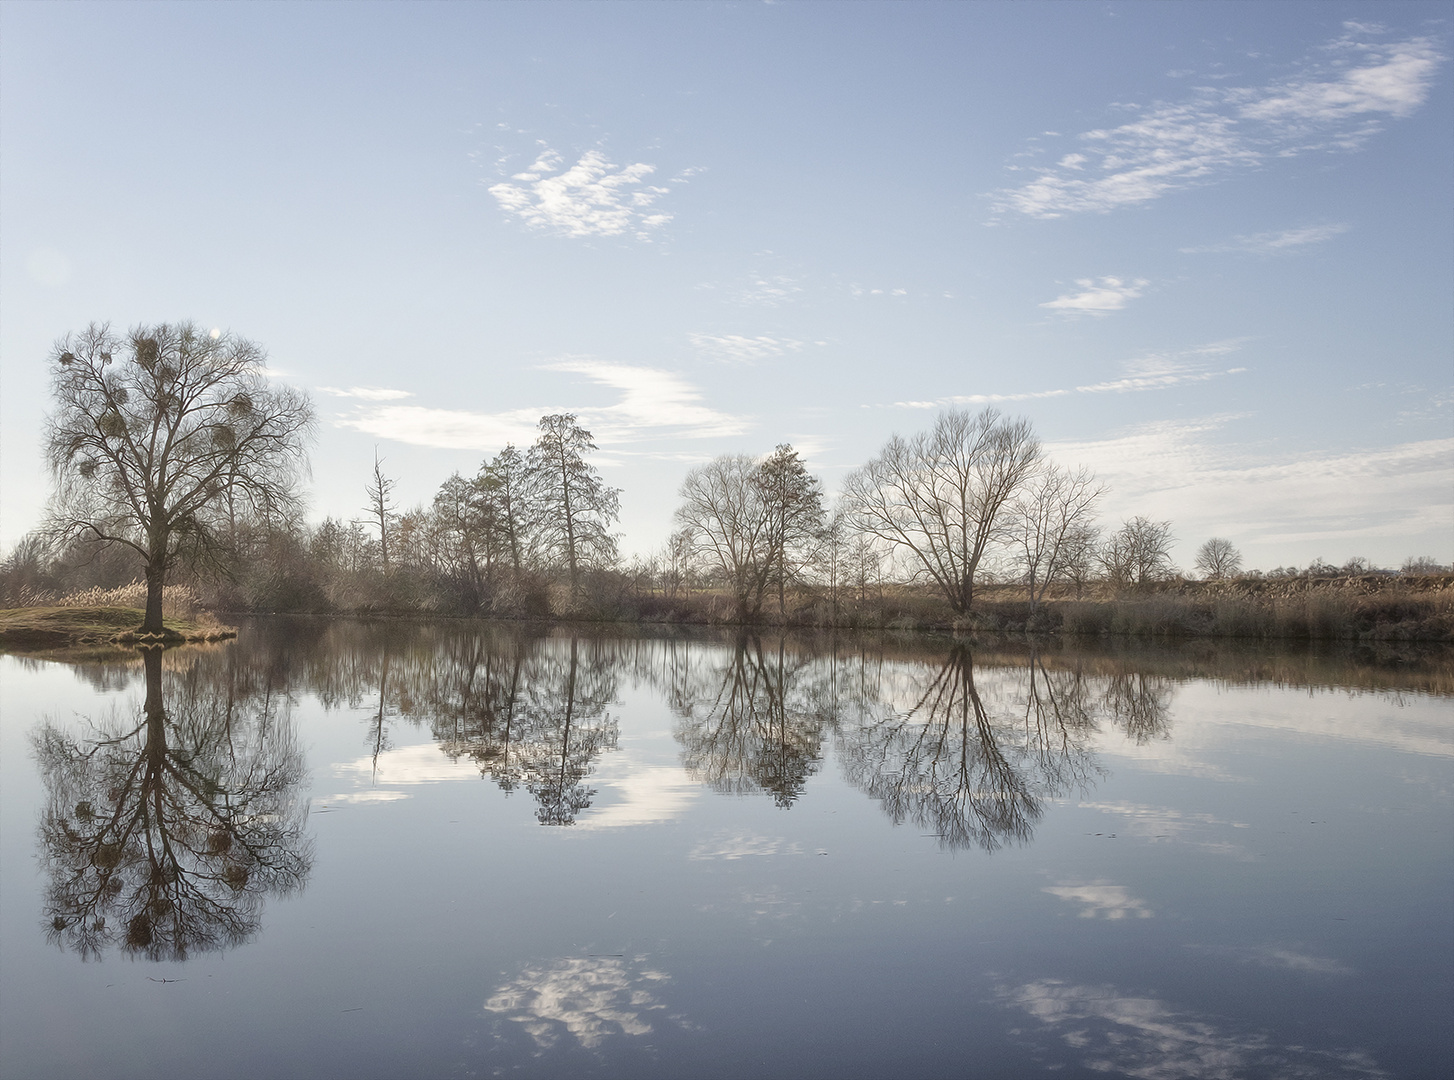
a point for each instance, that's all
(367, 393)
(1102, 901)
(1110, 294)
(591, 198)
(738, 349)
(1337, 103)
(1274, 243)
(653, 404)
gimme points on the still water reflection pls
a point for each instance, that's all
(484, 850)
(163, 833)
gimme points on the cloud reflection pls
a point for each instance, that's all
(1103, 901)
(588, 999)
(1144, 1037)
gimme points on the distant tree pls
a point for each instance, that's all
(1217, 559)
(158, 441)
(942, 497)
(380, 507)
(1047, 518)
(1079, 556)
(792, 500)
(1423, 564)
(1139, 552)
(574, 506)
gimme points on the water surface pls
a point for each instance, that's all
(337, 848)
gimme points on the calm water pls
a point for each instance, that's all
(341, 849)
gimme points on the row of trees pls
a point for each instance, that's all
(170, 443)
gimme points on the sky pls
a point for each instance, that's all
(1205, 248)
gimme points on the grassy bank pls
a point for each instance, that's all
(37, 628)
(1359, 608)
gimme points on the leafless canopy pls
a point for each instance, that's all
(942, 496)
(1218, 559)
(160, 440)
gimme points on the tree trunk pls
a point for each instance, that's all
(156, 571)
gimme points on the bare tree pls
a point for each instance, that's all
(158, 439)
(1079, 556)
(505, 487)
(574, 505)
(1217, 559)
(1422, 564)
(1047, 518)
(722, 510)
(942, 496)
(1139, 552)
(381, 505)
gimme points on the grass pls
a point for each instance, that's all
(30, 629)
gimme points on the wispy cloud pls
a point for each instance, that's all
(1184, 471)
(593, 197)
(1283, 242)
(738, 349)
(1337, 102)
(366, 393)
(653, 404)
(771, 281)
(1097, 298)
(1154, 371)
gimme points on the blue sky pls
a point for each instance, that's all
(1204, 247)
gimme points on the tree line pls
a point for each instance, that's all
(173, 457)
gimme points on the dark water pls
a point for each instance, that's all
(341, 849)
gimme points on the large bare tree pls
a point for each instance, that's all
(160, 439)
(942, 496)
(723, 512)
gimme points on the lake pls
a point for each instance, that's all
(338, 848)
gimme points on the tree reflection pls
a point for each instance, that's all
(969, 766)
(164, 836)
(530, 717)
(754, 723)
(1140, 705)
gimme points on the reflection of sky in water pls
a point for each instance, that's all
(588, 999)
(1127, 1035)
(1102, 901)
(862, 863)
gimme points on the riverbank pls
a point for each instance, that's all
(34, 629)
